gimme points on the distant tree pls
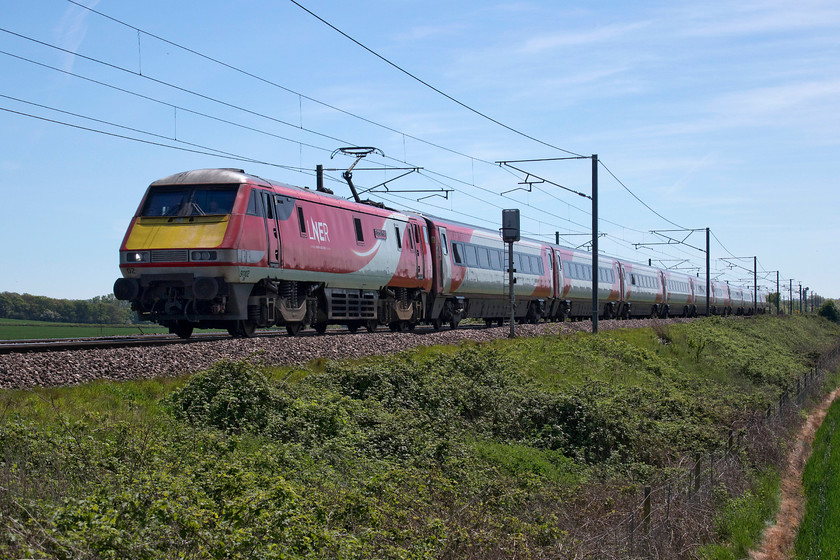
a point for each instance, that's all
(101, 309)
(829, 311)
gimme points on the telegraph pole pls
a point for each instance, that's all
(595, 243)
(708, 278)
(790, 296)
(594, 199)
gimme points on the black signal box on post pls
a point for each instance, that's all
(510, 225)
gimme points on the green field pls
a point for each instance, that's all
(819, 535)
(469, 451)
(16, 329)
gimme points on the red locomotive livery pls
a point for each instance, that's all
(219, 248)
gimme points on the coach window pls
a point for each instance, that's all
(456, 253)
(483, 257)
(254, 208)
(496, 259)
(399, 239)
(268, 202)
(360, 237)
(301, 222)
(472, 256)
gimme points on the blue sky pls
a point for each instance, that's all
(722, 114)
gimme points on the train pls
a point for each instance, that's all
(224, 249)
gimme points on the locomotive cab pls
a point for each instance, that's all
(177, 254)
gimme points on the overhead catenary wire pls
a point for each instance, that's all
(354, 115)
(204, 151)
(430, 86)
(267, 81)
(386, 60)
(330, 137)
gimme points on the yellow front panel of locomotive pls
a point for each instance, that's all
(177, 233)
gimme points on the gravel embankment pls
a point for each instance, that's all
(78, 366)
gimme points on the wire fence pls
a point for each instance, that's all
(672, 518)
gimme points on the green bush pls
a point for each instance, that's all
(829, 311)
(230, 396)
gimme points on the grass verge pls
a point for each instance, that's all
(476, 451)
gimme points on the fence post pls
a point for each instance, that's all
(697, 476)
(688, 494)
(711, 471)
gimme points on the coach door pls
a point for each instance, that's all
(416, 244)
(445, 279)
(272, 230)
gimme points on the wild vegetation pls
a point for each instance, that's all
(819, 534)
(491, 450)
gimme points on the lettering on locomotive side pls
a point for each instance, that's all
(380, 234)
(319, 231)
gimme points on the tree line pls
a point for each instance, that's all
(99, 310)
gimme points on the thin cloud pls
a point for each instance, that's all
(555, 41)
(71, 31)
(752, 18)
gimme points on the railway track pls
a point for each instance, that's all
(59, 344)
(149, 340)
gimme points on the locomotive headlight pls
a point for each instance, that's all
(204, 256)
(137, 257)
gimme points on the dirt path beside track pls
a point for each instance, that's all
(778, 539)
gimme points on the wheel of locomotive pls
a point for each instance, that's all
(183, 329)
(488, 322)
(293, 329)
(500, 322)
(411, 326)
(247, 328)
(437, 323)
(320, 328)
(242, 329)
(394, 326)
(453, 324)
(353, 327)
(370, 326)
